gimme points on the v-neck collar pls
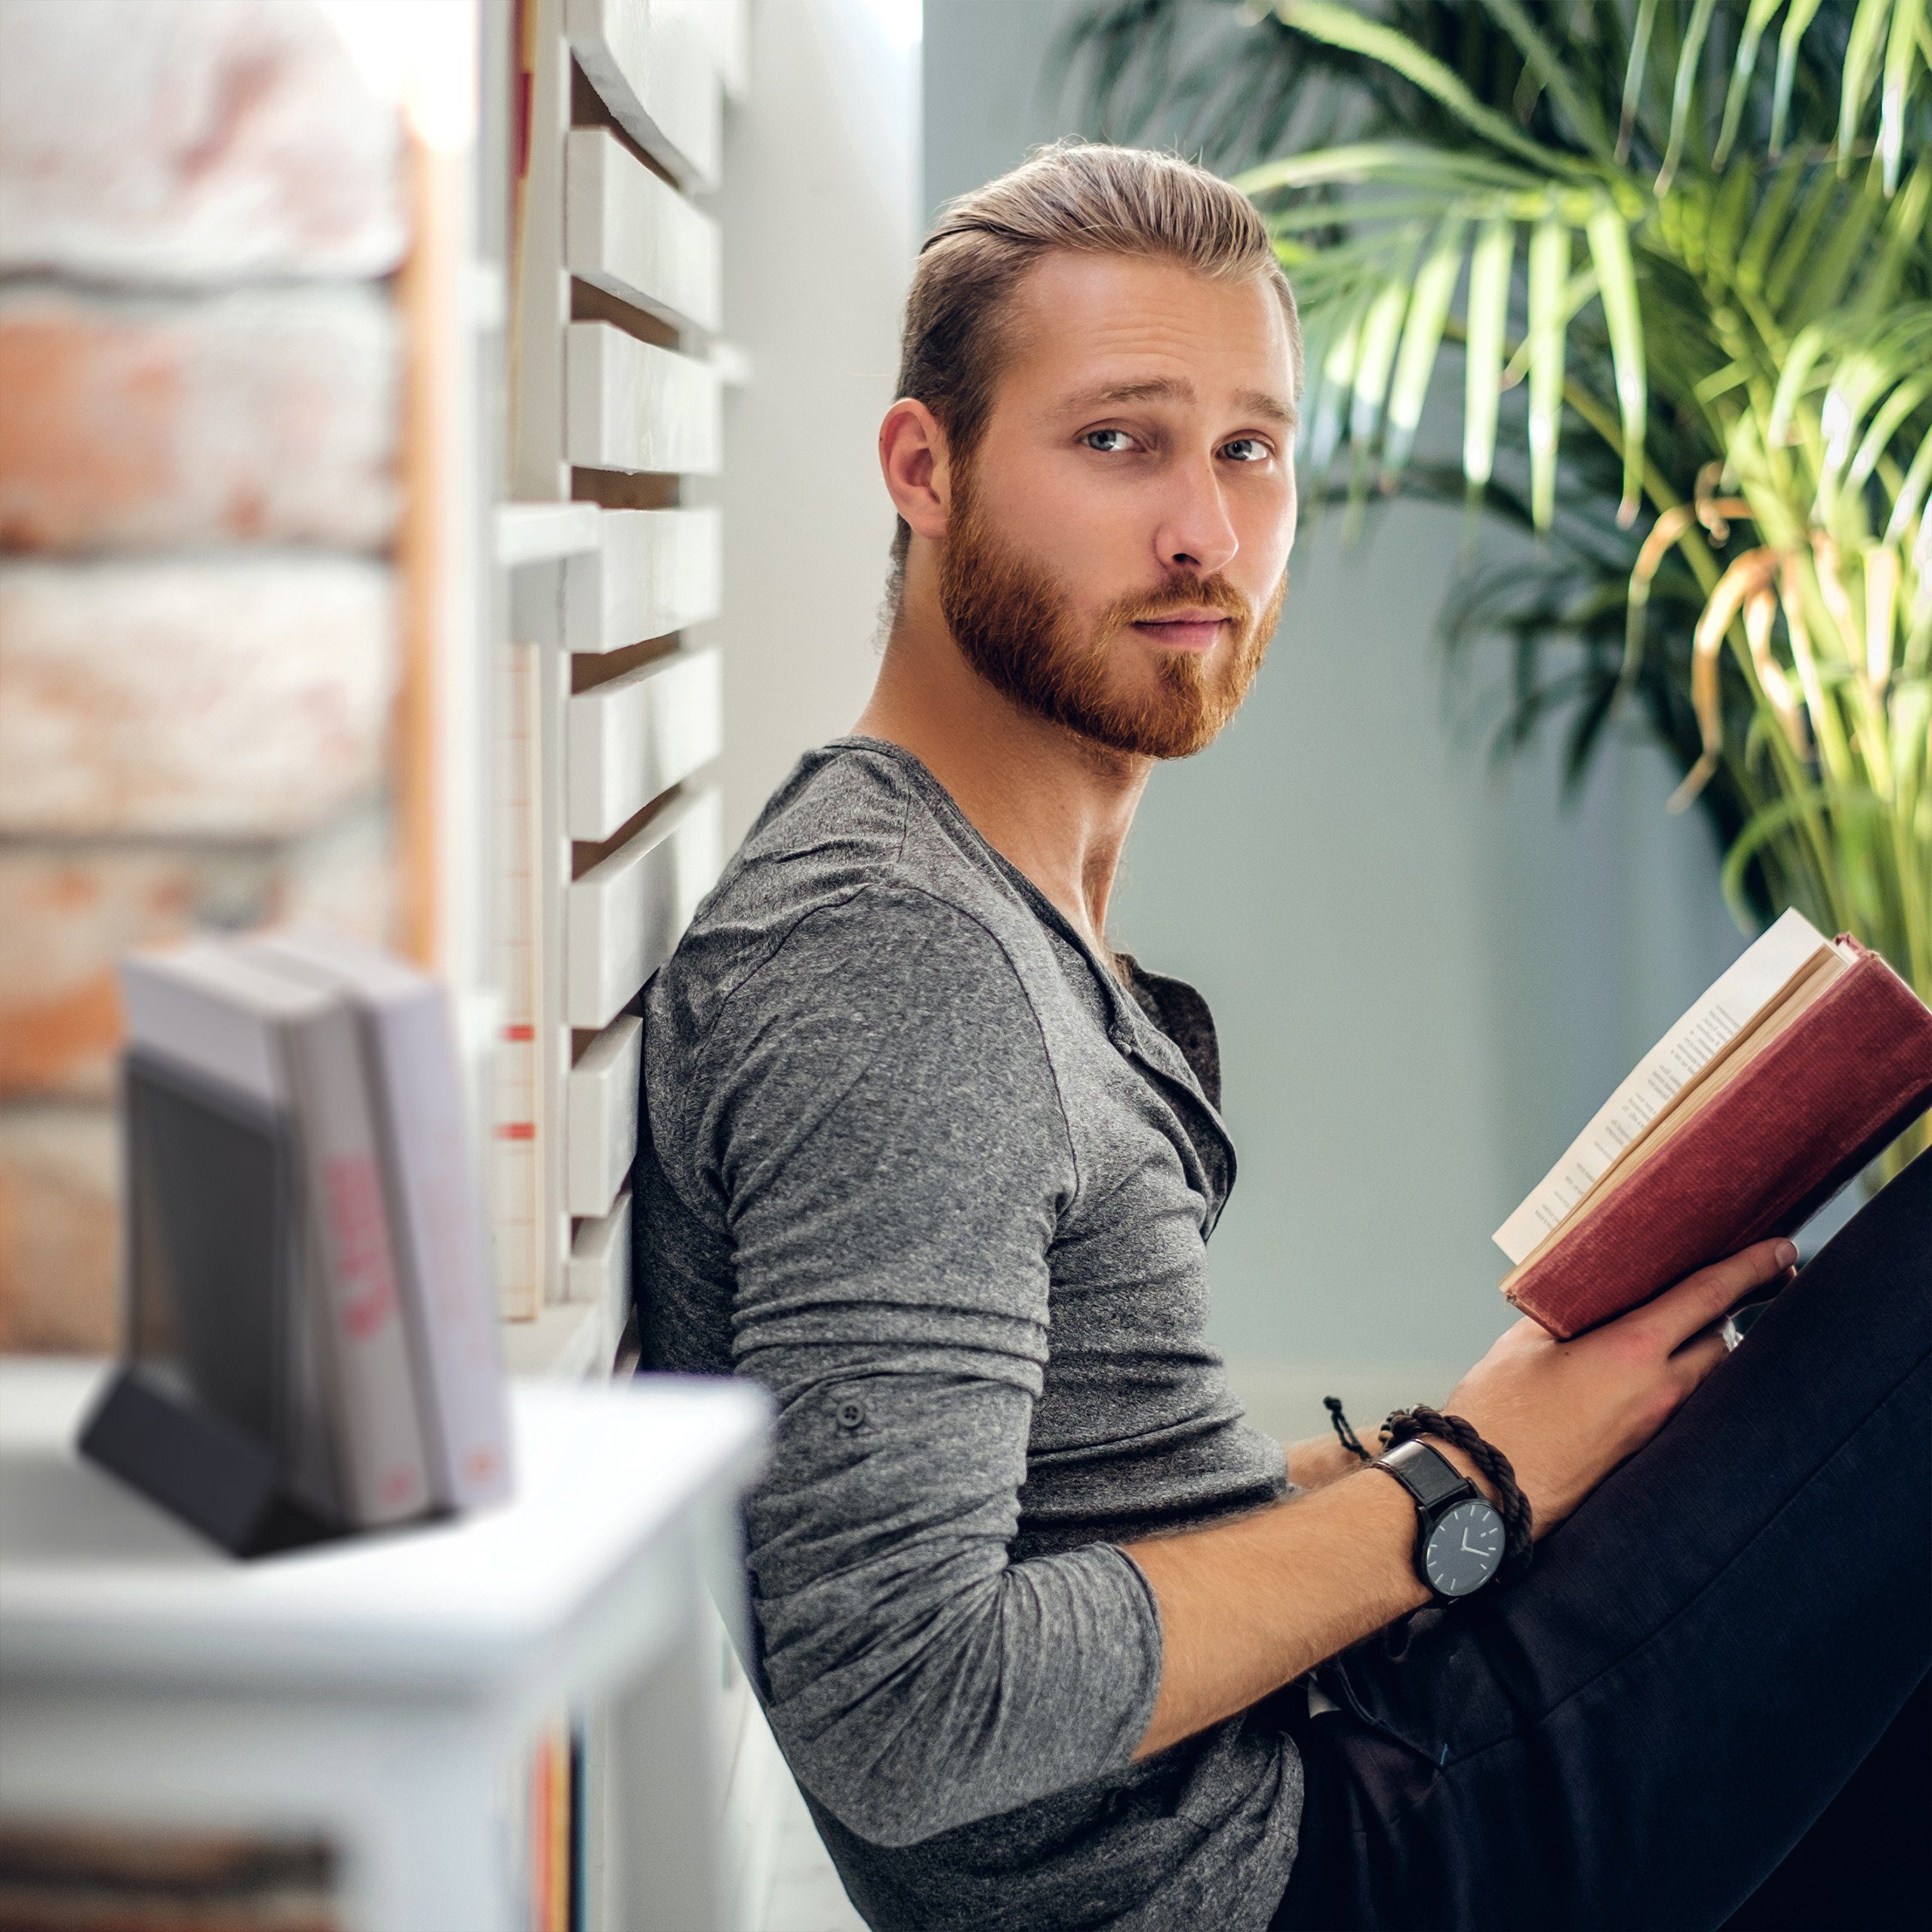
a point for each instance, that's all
(1128, 1024)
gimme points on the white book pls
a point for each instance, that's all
(410, 1054)
(231, 1018)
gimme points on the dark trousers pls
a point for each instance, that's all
(1636, 1736)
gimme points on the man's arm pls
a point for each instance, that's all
(1249, 1605)
(876, 1114)
(1319, 1461)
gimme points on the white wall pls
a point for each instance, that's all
(819, 209)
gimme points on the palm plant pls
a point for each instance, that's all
(1685, 254)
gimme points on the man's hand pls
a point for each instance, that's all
(1598, 1399)
(1566, 1413)
(1248, 1605)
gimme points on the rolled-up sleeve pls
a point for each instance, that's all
(882, 1126)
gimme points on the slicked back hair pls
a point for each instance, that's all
(1083, 198)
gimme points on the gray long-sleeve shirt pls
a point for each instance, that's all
(915, 1159)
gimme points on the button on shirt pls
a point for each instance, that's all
(914, 1159)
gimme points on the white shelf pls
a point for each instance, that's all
(382, 1691)
(563, 1342)
(116, 1588)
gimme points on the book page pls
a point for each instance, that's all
(1761, 973)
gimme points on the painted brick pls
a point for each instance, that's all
(342, 876)
(247, 699)
(268, 416)
(191, 140)
(67, 914)
(59, 1229)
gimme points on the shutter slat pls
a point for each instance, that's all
(630, 405)
(653, 65)
(637, 736)
(599, 1272)
(653, 572)
(635, 237)
(624, 914)
(601, 1111)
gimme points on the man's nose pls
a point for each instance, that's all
(1196, 532)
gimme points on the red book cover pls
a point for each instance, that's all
(1758, 1158)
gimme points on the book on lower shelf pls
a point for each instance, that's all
(1801, 1063)
(554, 1861)
(101, 1878)
(311, 1314)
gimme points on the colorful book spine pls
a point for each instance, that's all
(379, 1434)
(436, 1211)
(440, 1229)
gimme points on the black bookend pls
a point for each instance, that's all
(217, 1479)
(208, 1416)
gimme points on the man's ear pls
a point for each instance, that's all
(912, 458)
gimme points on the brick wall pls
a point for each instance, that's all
(202, 208)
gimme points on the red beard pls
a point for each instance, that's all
(1012, 622)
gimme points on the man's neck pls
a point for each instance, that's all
(1056, 805)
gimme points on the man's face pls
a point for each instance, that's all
(1116, 548)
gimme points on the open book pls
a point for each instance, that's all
(1801, 1064)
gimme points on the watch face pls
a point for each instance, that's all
(1464, 1549)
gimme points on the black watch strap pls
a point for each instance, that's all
(1426, 1474)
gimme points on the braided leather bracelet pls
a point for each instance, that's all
(1511, 1503)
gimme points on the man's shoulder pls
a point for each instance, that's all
(843, 801)
(846, 877)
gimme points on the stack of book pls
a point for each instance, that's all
(307, 1261)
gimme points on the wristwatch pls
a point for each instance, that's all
(1460, 1533)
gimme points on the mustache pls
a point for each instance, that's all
(1213, 593)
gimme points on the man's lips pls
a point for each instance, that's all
(1189, 630)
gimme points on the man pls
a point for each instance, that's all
(925, 1156)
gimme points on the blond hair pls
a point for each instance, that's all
(1083, 197)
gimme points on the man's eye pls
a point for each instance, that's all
(1094, 440)
(1247, 449)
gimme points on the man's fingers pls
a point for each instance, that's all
(1698, 1356)
(1699, 1299)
